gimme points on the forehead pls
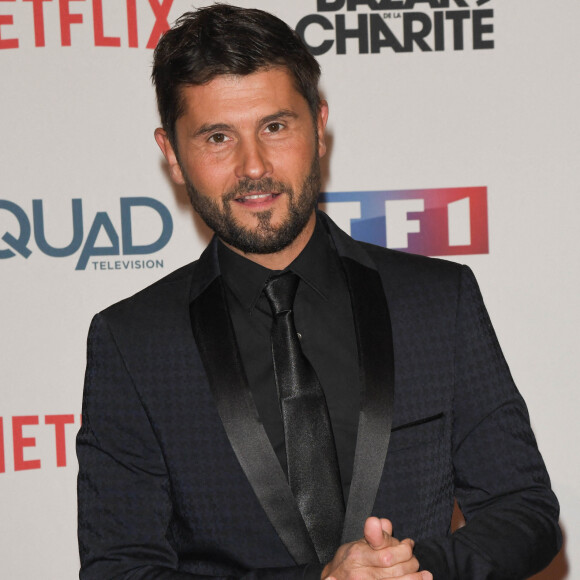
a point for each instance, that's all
(227, 98)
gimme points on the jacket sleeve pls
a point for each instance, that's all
(124, 490)
(501, 483)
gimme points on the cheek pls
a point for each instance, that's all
(296, 163)
(210, 179)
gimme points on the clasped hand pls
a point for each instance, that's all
(377, 555)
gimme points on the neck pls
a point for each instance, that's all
(283, 258)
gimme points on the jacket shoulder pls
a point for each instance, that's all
(390, 263)
(415, 266)
(164, 293)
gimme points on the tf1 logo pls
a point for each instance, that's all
(432, 222)
(17, 240)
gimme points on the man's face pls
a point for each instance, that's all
(248, 152)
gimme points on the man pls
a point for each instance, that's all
(295, 404)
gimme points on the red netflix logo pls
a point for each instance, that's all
(72, 13)
(25, 430)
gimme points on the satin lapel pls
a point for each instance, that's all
(376, 361)
(216, 342)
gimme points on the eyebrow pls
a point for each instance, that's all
(279, 115)
(282, 114)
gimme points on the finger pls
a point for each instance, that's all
(413, 576)
(387, 526)
(399, 557)
(361, 555)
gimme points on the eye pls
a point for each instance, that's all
(218, 138)
(274, 127)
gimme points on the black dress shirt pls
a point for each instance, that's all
(324, 322)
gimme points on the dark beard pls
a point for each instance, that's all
(264, 238)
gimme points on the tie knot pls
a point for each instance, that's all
(280, 291)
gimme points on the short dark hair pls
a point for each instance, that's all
(222, 39)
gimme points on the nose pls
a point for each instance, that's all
(253, 161)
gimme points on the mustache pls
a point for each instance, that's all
(250, 186)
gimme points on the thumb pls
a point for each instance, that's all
(374, 534)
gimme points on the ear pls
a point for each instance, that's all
(321, 119)
(169, 154)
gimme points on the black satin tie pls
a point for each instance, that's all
(313, 472)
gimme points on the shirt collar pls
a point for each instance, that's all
(314, 265)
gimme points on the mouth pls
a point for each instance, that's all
(257, 197)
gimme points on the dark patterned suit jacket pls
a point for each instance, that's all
(177, 477)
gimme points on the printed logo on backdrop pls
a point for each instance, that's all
(18, 445)
(24, 231)
(432, 222)
(374, 26)
(62, 19)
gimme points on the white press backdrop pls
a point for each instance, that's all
(76, 123)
